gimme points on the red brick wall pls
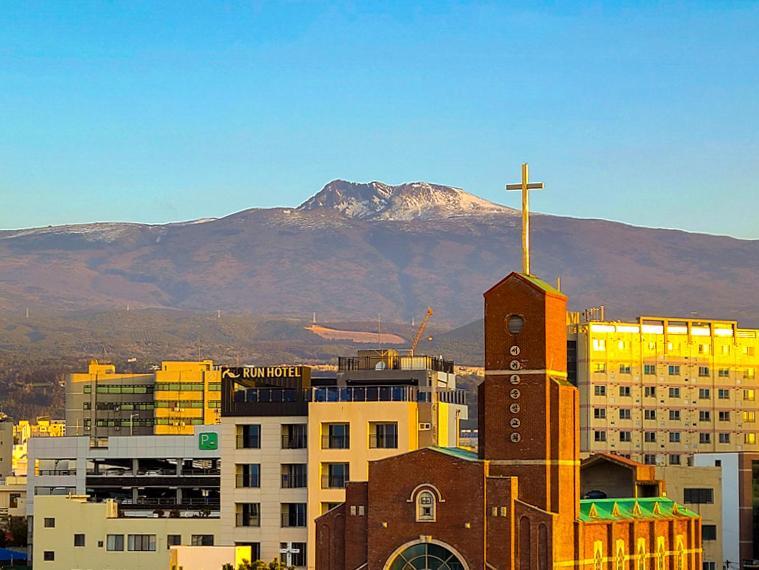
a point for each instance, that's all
(391, 483)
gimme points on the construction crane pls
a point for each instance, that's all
(420, 330)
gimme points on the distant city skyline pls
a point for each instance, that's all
(637, 112)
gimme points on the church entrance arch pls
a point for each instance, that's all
(429, 555)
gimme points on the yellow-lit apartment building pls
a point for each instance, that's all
(186, 394)
(294, 447)
(170, 400)
(662, 389)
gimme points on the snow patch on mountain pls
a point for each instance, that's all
(415, 200)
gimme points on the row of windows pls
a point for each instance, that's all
(291, 515)
(674, 370)
(675, 415)
(293, 475)
(749, 394)
(675, 437)
(119, 406)
(599, 345)
(382, 435)
(119, 389)
(133, 543)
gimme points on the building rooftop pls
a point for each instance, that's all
(593, 510)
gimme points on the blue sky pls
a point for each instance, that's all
(159, 111)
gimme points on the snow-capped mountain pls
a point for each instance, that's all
(414, 200)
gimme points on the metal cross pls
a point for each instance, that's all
(525, 186)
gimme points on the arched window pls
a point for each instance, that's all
(641, 556)
(426, 507)
(426, 555)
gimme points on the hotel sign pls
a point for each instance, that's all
(262, 372)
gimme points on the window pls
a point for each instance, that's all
(649, 459)
(674, 369)
(750, 351)
(625, 414)
(599, 367)
(674, 437)
(704, 393)
(750, 438)
(674, 459)
(249, 436)
(248, 475)
(723, 373)
(49, 522)
(703, 371)
(674, 392)
(698, 496)
(335, 475)
(708, 565)
(724, 437)
(749, 373)
(293, 514)
(624, 369)
(649, 391)
(335, 436)
(599, 390)
(599, 435)
(749, 395)
(650, 437)
(704, 416)
(294, 475)
(749, 417)
(79, 539)
(599, 413)
(247, 514)
(624, 391)
(599, 344)
(141, 542)
(383, 435)
(114, 542)
(201, 540)
(724, 416)
(649, 414)
(674, 415)
(625, 436)
(704, 438)
(649, 369)
(294, 436)
(426, 505)
(173, 540)
(87, 405)
(48, 555)
(723, 394)
(293, 553)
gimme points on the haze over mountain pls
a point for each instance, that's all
(355, 250)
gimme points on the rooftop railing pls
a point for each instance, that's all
(399, 362)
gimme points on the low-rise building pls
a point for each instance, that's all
(208, 557)
(74, 532)
(699, 488)
(740, 506)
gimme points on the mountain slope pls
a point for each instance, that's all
(356, 250)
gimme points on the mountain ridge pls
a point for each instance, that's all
(354, 250)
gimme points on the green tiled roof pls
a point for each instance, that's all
(629, 509)
(542, 284)
(458, 452)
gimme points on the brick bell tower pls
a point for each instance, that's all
(528, 411)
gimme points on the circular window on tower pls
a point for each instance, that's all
(514, 324)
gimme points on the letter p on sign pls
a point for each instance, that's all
(208, 440)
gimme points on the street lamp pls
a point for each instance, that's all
(131, 423)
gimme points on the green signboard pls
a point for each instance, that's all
(208, 440)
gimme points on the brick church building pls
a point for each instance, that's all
(516, 503)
